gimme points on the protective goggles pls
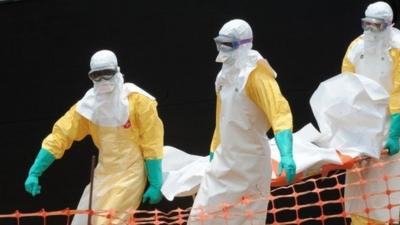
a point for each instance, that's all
(373, 24)
(102, 75)
(226, 43)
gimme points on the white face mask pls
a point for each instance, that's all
(103, 86)
(376, 42)
(372, 36)
(223, 57)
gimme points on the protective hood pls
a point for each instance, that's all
(238, 30)
(103, 60)
(380, 10)
(241, 61)
(378, 42)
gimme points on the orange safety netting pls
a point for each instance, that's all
(316, 200)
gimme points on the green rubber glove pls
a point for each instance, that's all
(153, 193)
(392, 142)
(284, 140)
(43, 160)
(211, 156)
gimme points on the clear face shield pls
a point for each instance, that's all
(227, 43)
(373, 24)
(107, 74)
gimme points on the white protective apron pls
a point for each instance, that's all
(377, 67)
(241, 164)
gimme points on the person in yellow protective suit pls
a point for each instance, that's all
(249, 102)
(123, 122)
(376, 55)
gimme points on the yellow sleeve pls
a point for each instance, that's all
(394, 99)
(151, 129)
(264, 91)
(69, 128)
(347, 66)
(216, 137)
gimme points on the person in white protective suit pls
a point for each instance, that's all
(249, 102)
(376, 55)
(123, 122)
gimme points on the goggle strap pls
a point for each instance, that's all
(244, 41)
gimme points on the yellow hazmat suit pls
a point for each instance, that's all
(120, 178)
(388, 74)
(249, 103)
(263, 90)
(242, 166)
(376, 55)
(124, 125)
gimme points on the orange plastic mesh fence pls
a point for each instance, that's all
(316, 200)
(138, 217)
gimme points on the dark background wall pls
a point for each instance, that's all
(165, 47)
